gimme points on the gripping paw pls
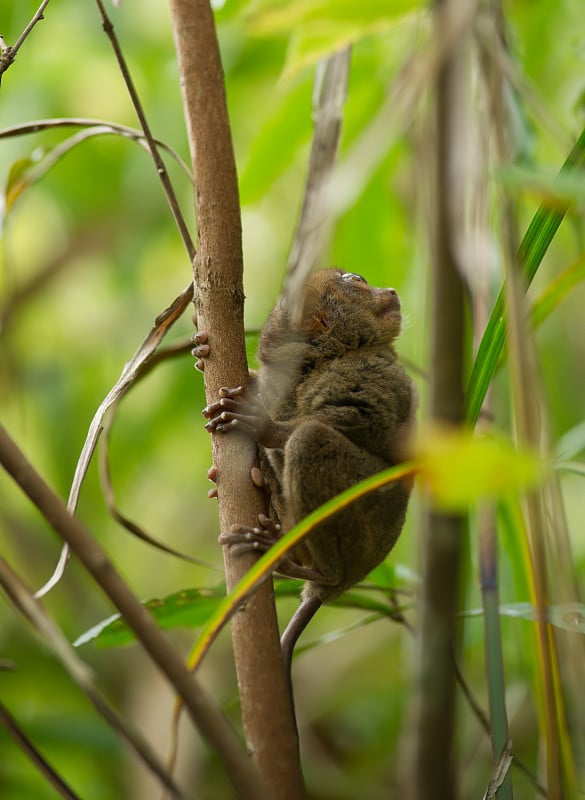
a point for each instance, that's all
(236, 408)
(223, 414)
(243, 539)
(239, 409)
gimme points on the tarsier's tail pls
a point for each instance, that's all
(297, 624)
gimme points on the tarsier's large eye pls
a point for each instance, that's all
(353, 276)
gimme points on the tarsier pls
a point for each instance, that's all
(329, 406)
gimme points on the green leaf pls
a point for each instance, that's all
(321, 27)
(569, 616)
(557, 290)
(189, 608)
(556, 191)
(457, 468)
(18, 180)
(533, 247)
(277, 143)
(192, 608)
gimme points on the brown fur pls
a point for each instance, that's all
(340, 406)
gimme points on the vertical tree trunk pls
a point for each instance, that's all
(266, 705)
(433, 768)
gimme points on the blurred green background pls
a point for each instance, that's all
(97, 226)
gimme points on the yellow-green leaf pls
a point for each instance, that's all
(457, 468)
(17, 181)
(320, 27)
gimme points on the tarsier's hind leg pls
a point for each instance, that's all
(318, 461)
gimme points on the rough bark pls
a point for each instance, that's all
(265, 701)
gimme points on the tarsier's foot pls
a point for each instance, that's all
(201, 349)
(243, 539)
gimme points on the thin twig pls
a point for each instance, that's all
(100, 127)
(158, 162)
(484, 722)
(40, 762)
(9, 53)
(162, 323)
(499, 772)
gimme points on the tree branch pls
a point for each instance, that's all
(152, 145)
(48, 772)
(8, 53)
(266, 704)
(213, 726)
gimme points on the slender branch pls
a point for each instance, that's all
(100, 125)
(36, 18)
(47, 771)
(9, 53)
(205, 715)
(484, 722)
(265, 700)
(158, 162)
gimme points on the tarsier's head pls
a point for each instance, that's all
(343, 305)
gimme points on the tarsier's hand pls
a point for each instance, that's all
(238, 409)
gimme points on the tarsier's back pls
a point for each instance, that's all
(333, 379)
